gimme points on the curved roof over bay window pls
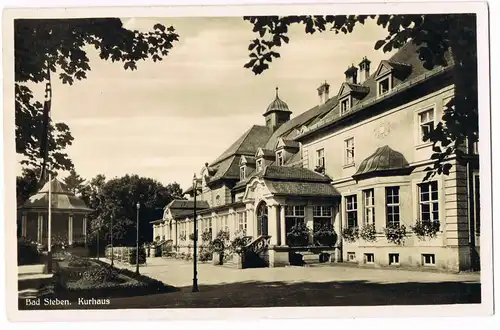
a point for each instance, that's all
(384, 161)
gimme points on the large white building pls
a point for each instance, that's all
(357, 158)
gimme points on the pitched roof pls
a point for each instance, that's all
(247, 144)
(302, 188)
(406, 58)
(184, 208)
(61, 199)
(300, 120)
(292, 174)
(266, 153)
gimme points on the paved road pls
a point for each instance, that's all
(301, 286)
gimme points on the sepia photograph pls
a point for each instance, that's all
(247, 159)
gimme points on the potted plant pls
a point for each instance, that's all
(206, 236)
(368, 232)
(298, 235)
(191, 237)
(395, 233)
(350, 234)
(325, 235)
(218, 245)
(423, 229)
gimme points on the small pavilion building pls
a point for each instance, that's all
(69, 216)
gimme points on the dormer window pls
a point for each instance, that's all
(259, 164)
(242, 173)
(384, 86)
(345, 105)
(279, 158)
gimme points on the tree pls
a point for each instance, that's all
(58, 46)
(434, 34)
(26, 185)
(117, 199)
(74, 182)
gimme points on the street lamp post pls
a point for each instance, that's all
(137, 241)
(98, 234)
(195, 272)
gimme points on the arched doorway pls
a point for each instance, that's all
(262, 219)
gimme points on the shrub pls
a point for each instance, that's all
(27, 252)
(368, 232)
(298, 235)
(325, 235)
(191, 237)
(350, 234)
(206, 236)
(74, 261)
(239, 243)
(157, 238)
(395, 233)
(424, 229)
(220, 242)
(98, 273)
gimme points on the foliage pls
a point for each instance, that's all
(368, 232)
(325, 235)
(395, 233)
(157, 238)
(27, 252)
(350, 234)
(116, 199)
(182, 236)
(126, 254)
(75, 261)
(298, 235)
(204, 254)
(74, 182)
(425, 229)
(61, 45)
(239, 243)
(97, 274)
(206, 236)
(191, 237)
(434, 35)
(220, 242)
(27, 185)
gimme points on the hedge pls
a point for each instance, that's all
(126, 254)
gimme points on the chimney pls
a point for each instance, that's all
(324, 93)
(351, 74)
(364, 68)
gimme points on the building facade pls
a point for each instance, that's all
(357, 158)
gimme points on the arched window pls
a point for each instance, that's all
(262, 219)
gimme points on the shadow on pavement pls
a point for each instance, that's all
(334, 293)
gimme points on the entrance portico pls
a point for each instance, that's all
(279, 203)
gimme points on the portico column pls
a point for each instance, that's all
(282, 225)
(70, 229)
(39, 237)
(272, 224)
(85, 229)
(23, 225)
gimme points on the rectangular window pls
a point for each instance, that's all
(393, 258)
(279, 158)
(320, 158)
(384, 86)
(351, 207)
(242, 173)
(209, 225)
(392, 205)
(369, 258)
(242, 221)
(226, 227)
(345, 106)
(294, 214)
(369, 206)
(426, 123)
(351, 256)
(322, 215)
(349, 151)
(429, 204)
(428, 259)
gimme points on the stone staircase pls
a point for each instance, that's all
(257, 252)
(31, 279)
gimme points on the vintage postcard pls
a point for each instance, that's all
(180, 158)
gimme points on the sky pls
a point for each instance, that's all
(167, 119)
